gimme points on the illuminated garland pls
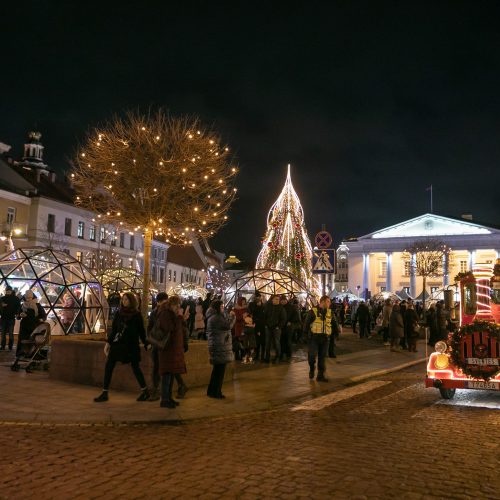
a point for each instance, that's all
(286, 245)
(457, 338)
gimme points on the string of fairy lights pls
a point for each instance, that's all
(168, 177)
(286, 245)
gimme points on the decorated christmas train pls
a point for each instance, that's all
(470, 357)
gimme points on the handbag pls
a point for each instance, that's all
(158, 337)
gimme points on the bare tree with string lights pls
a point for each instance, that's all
(158, 175)
(428, 258)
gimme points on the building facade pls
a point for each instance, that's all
(378, 261)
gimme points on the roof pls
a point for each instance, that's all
(55, 189)
(11, 180)
(430, 225)
(185, 256)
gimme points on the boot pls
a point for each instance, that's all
(181, 391)
(321, 378)
(311, 373)
(144, 395)
(102, 397)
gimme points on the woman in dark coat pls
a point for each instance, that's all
(123, 345)
(220, 347)
(396, 327)
(32, 314)
(171, 359)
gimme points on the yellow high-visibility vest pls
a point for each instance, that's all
(319, 326)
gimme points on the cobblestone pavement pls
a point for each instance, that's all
(385, 438)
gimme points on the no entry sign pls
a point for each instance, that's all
(323, 240)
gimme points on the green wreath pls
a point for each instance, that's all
(457, 337)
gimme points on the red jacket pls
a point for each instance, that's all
(172, 358)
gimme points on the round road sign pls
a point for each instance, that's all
(323, 239)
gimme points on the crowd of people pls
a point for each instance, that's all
(257, 331)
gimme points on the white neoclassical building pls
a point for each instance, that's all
(377, 262)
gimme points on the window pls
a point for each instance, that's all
(132, 242)
(81, 229)
(170, 275)
(103, 235)
(382, 288)
(122, 240)
(92, 232)
(407, 289)
(463, 266)
(155, 253)
(383, 268)
(51, 223)
(11, 215)
(407, 268)
(434, 289)
(163, 255)
(67, 226)
(153, 273)
(182, 277)
(66, 251)
(175, 276)
(113, 238)
(79, 256)
(162, 275)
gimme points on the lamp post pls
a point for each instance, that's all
(9, 245)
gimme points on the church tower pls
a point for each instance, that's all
(33, 152)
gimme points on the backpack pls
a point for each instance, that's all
(158, 337)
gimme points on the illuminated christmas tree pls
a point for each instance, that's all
(286, 246)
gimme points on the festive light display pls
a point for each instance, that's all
(483, 274)
(158, 175)
(286, 245)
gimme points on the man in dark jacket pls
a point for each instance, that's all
(275, 320)
(256, 309)
(363, 318)
(10, 306)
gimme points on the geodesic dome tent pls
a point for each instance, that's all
(121, 280)
(188, 290)
(268, 282)
(70, 294)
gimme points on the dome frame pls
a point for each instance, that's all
(68, 291)
(268, 282)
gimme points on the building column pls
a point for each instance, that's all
(472, 259)
(388, 277)
(413, 277)
(366, 273)
(446, 270)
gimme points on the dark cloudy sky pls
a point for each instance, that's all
(371, 102)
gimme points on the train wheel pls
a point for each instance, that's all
(447, 393)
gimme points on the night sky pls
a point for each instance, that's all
(371, 102)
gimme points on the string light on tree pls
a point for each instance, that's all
(286, 245)
(138, 171)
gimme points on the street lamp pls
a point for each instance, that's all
(10, 244)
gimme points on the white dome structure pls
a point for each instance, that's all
(268, 282)
(68, 291)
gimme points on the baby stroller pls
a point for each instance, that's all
(35, 351)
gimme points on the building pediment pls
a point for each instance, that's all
(428, 226)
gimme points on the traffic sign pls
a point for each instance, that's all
(323, 261)
(323, 239)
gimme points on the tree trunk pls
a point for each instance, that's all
(148, 238)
